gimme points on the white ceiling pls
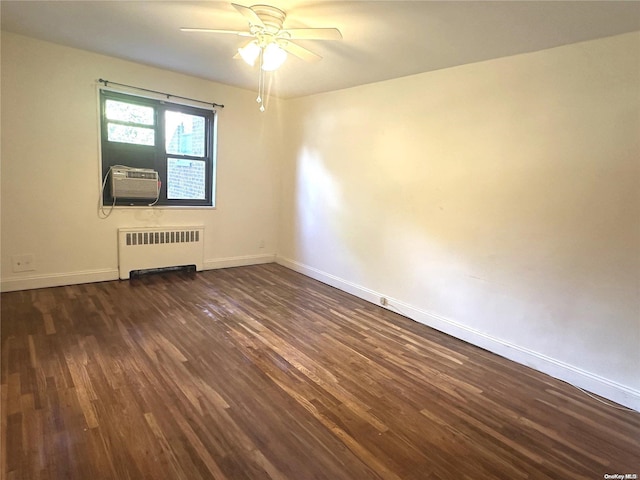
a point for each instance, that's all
(382, 39)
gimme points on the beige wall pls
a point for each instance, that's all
(499, 201)
(50, 167)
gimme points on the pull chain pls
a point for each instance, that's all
(261, 83)
(261, 90)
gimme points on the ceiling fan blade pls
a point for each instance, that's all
(214, 30)
(249, 14)
(301, 52)
(313, 33)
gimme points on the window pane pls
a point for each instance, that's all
(129, 112)
(184, 134)
(185, 179)
(126, 134)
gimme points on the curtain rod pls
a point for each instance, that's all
(168, 95)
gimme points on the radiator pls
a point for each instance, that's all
(159, 247)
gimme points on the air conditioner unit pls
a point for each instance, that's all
(134, 183)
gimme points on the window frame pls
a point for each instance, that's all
(155, 157)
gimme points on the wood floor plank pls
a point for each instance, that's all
(262, 373)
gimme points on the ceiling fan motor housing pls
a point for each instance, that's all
(272, 17)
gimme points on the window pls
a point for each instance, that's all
(177, 141)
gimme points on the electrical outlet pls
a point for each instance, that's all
(383, 301)
(23, 263)
(261, 244)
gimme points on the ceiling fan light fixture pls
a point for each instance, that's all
(271, 42)
(250, 53)
(273, 57)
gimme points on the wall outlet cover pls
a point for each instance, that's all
(23, 263)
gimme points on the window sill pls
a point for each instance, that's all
(160, 207)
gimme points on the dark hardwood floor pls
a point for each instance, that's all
(261, 373)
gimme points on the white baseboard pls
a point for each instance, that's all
(30, 282)
(58, 279)
(238, 261)
(593, 383)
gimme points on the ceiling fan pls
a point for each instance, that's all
(270, 42)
